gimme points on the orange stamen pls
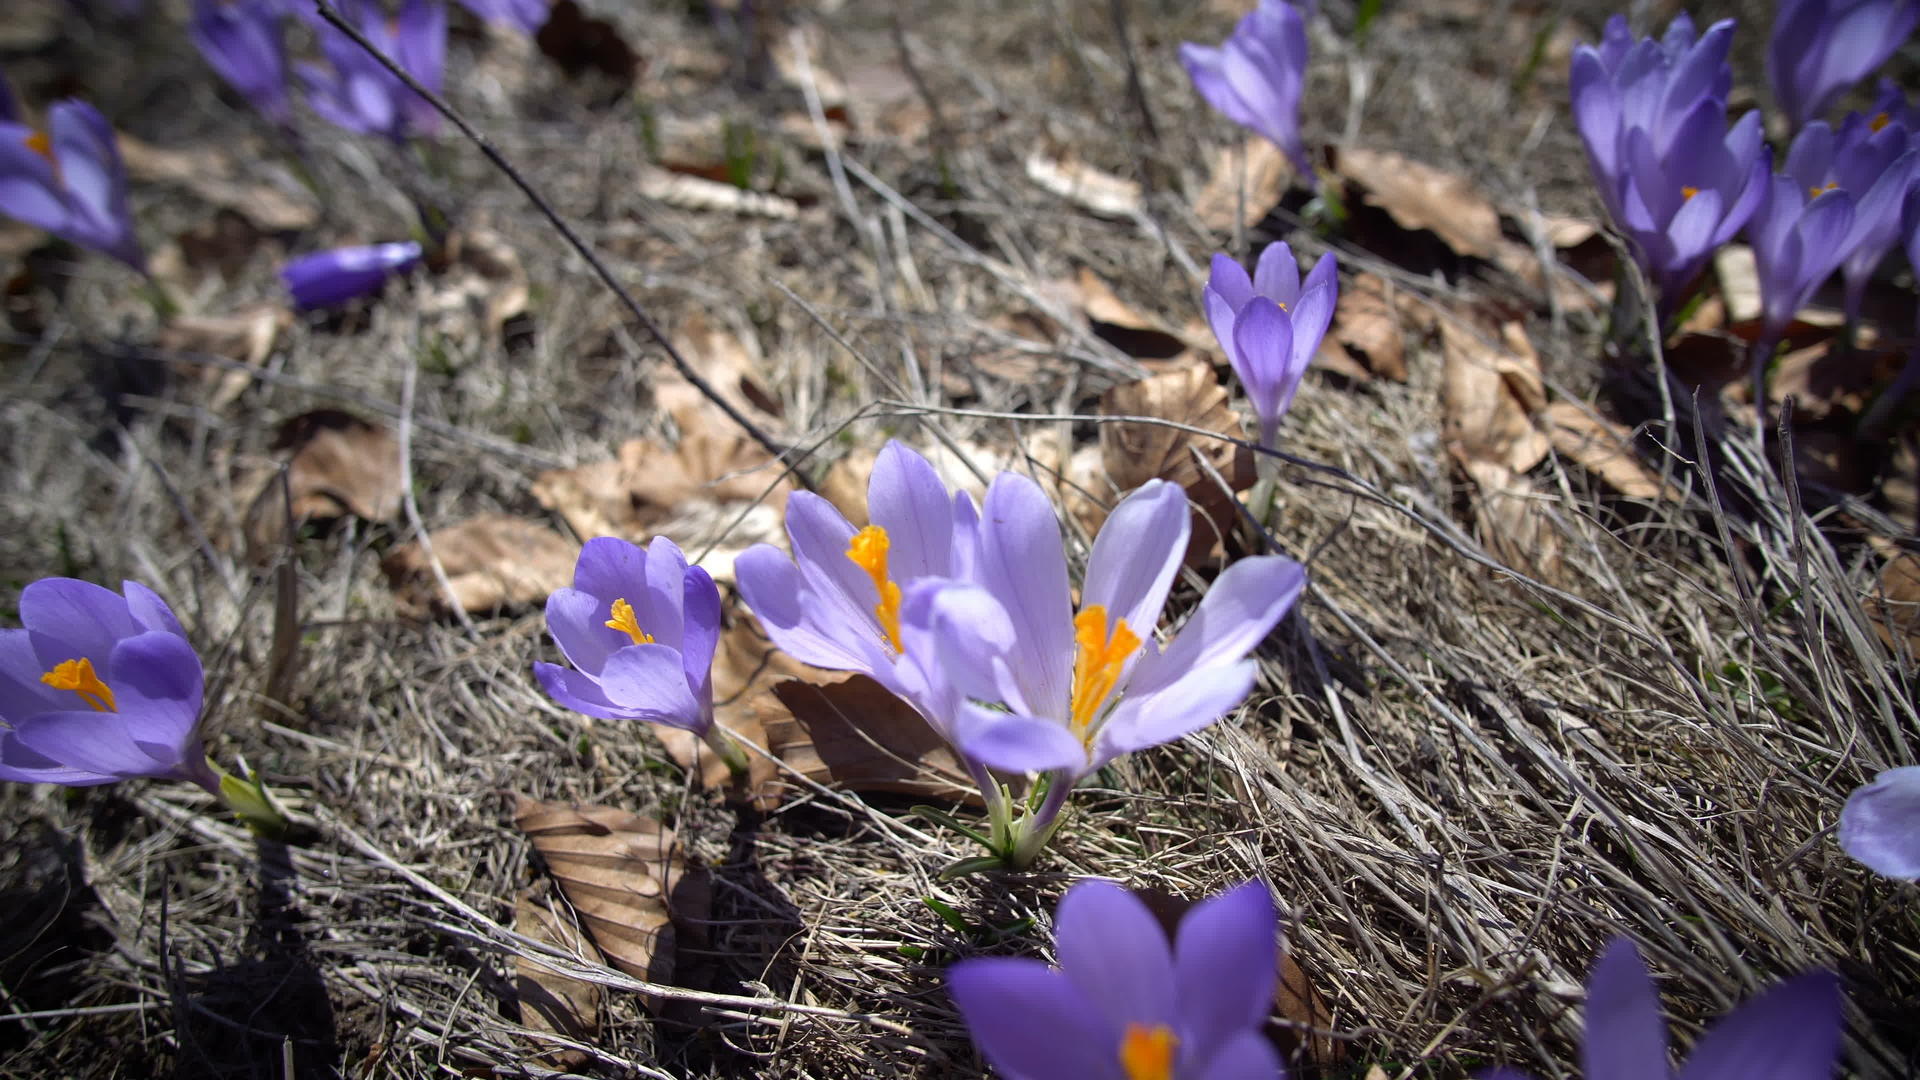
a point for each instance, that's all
(1816, 192)
(623, 620)
(77, 675)
(869, 552)
(39, 143)
(1146, 1053)
(1879, 121)
(1098, 661)
(1689, 191)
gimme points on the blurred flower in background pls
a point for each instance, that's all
(243, 42)
(1820, 48)
(356, 91)
(1880, 825)
(70, 181)
(524, 15)
(1256, 76)
(1875, 166)
(327, 278)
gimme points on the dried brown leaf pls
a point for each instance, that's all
(492, 561)
(211, 176)
(548, 1000)
(337, 464)
(1895, 603)
(1136, 453)
(1082, 184)
(1419, 196)
(856, 735)
(624, 877)
(1604, 449)
(1488, 395)
(1246, 182)
(586, 47)
(727, 364)
(1132, 331)
(247, 336)
(1366, 323)
(480, 286)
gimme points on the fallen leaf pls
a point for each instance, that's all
(1125, 327)
(1088, 187)
(548, 1000)
(337, 464)
(726, 362)
(478, 285)
(583, 46)
(212, 177)
(1367, 326)
(1826, 378)
(1739, 278)
(845, 484)
(624, 877)
(1418, 196)
(1488, 395)
(1136, 453)
(856, 735)
(699, 193)
(1604, 449)
(493, 561)
(1246, 181)
(246, 336)
(1895, 603)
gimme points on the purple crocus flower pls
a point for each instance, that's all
(525, 15)
(242, 41)
(1789, 1032)
(98, 686)
(69, 180)
(1675, 179)
(639, 629)
(1798, 239)
(1873, 162)
(327, 278)
(1880, 825)
(1125, 1003)
(1821, 47)
(1254, 79)
(838, 602)
(357, 92)
(1270, 325)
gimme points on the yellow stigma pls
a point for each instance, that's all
(624, 622)
(1879, 121)
(1688, 191)
(1146, 1053)
(77, 676)
(38, 142)
(1097, 664)
(869, 552)
(1816, 192)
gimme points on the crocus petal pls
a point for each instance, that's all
(1626, 1039)
(1017, 744)
(661, 607)
(83, 741)
(1880, 825)
(21, 691)
(148, 610)
(964, 632)
(1263, 337)
(1032, 1022)
(1138, 551)
(330, 278)
(70, 618)
(821, 537)
(1024, 566)
(157, 685)
(1245, 1056)
(651, 680)
(1190, 703)
(1113, 949)
(1229, 279)
(578, 692)
(700, 635)
(21, 764)
(578, 622)
(1239, 610)
(906, 498)
(1224, 964)
(1277, 275)
(1220, 315)
(773, 587)
(1790, 1032)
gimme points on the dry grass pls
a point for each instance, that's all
(1460, 781)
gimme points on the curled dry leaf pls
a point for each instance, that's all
(1134, 332)
(247, 336)
(478, 286)
(625, 878)
(1246, 182)
(548, 1000)
(283, 206)
(728, 364)
(1082, 184)
(1895, 603)
(856, 735)
(492, 561)
(337, 464)
(1418, 196)
(588, 48)
(1366, 325)
(1604, 449)
(1488, 396)
(1135, 453)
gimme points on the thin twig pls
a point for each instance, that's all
(404, 436)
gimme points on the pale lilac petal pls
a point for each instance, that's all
(1220, 317)
(1225, 964)
(1312, 312)
(1138, 551)
(700, 635)
(71, 619)
(1246, 1056)
(1790, 1032)
(578, 622)
(1023, 565)
(1114, 950)
(86, 742)
(1324, 275)
(578, 692)
(1229, 279)
(1880, 825)
(1240, 609)
(821, 537)
(773, 587)
(906, 498)
(157, 686)
(650, 681)
(1625, 1037)
(661, 608)
(21, 691)
(1277, 275)
(147, 609)
(1032, 1022)
(1191, 702)
(21, 764)
(1017, 744)
(1263, 338)
(962, 630)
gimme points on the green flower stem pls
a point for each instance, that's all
(722, 742)
(250, 800)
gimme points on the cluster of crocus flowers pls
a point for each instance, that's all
(1790, 1032)
(1819, 48)
(1674, 178)
(1256, 76)
(969, 615)
(69, 180)
(1880, 825)
(638, 629)
(356, 91)
(1127, 1004)
(329, 278)
(244, 41)
(1270, 325)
